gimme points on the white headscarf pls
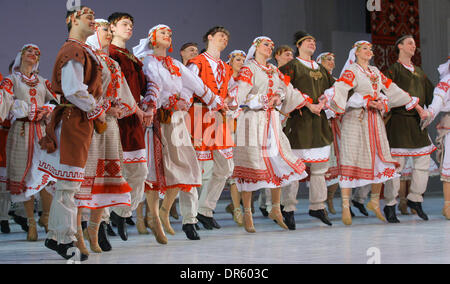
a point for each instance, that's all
(444, 68)
(352, 57)
(319, 58)
(234, 53)
(143, 48)
(252, 50)
(94, 40)
(18, 59)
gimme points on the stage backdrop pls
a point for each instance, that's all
(396, 18)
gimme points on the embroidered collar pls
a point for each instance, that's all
(308, 63)
(167, 62)
(371, 74)
(268, 69)
(209, 56)
(30, 81)
(409, 67)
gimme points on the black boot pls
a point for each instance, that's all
(63, 249)
(51, 244)
(289, 220)
(215, 224)
(418, 207)
(320, 214)
(121, 225)
(103, 241)
(205, 221)
(389, 213)
(110, 231)
(264, 211)
(21, 221)
(191, 233)
(130, 221)
(4, 227)
(361, 208)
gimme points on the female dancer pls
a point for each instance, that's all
(236, 60)
(174, 165)
(365, 156)
(104, 186)
(25, 95)
(441, 104)
(263, 156)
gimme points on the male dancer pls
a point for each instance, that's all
(77, 78)
(405, 136)
(310, 133)
(211, 133)
(131, 128)
(188, 51)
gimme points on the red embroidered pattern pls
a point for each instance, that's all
(348, 77)
(49, 88)
(386, 82)
(8, 85)
(245, 75)
(443, 86)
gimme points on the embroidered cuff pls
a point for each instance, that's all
(96, 112)
(412, 104)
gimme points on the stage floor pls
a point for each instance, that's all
(412, 241)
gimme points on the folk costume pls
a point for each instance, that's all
(173, 163)
(364, 156)
(405, 136)
(211, 130)
(263, 156)
(103, 185)
(5, 199)
(310, 135)
(441, 103)
(27, 96)
(131, 134)
(77, 78)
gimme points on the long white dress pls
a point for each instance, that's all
(365, 156)
(263, 157)
(21, 98)
(172, 160)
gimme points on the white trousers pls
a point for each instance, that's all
(222, 170)
(62, 223)
(419, 180)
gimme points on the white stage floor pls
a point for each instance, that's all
(412, 241)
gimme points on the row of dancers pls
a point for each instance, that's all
(115, 129)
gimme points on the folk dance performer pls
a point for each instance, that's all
(131, 127)
(170, 93)
(263, 157)
(365, 156)
(405, 137)
(327, 60)
(439, 104)
(309, 132)
(26, 97)
(211, 130)
(236, 60)
(103, 185)
(77, 78)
